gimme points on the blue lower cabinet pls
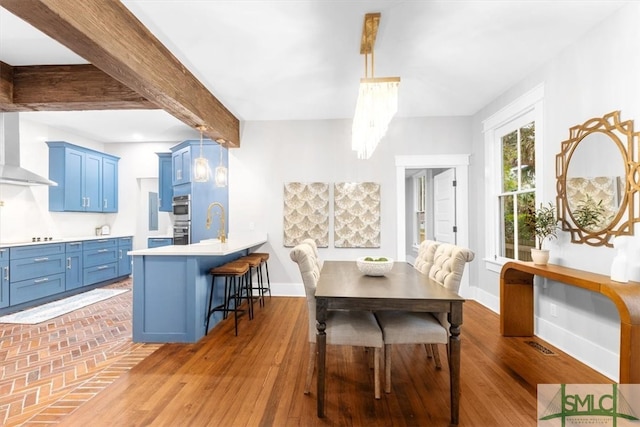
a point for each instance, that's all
(156, 242)
(32, 289)
(100, 273)
(125, 244)
(29, 268)
(74, 271)
(4, 277)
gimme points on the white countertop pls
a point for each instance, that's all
(63, 240)
(213, 247)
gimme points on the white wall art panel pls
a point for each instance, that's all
(357, 215)
(306, 213)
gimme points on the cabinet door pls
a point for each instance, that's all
(165, 185)
(124, 260)
(181, 166)
(93, 183)
(73, 272)
(109, 185)
(4, 278)
(74, 198)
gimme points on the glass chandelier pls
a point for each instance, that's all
(377, 97)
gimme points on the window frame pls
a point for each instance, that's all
(527, 108)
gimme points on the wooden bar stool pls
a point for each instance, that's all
(255, 262)
(265, 258)
(234, 274)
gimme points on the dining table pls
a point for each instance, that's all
(341, 286)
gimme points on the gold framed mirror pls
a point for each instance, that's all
(597, 177)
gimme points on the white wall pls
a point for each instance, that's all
(273, 153)
(593, 77)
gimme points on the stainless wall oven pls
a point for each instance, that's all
(181, 208)
(182, 233)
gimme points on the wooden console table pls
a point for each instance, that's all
(516, 306)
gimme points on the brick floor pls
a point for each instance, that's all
(50, 369)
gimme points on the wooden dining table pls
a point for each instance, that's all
(342, 286)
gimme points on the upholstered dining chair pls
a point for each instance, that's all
(314, 246)
(425, 328)
(423, 263)
(354, 328)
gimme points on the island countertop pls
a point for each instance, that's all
(213, 247)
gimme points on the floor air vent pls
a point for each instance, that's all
(542, 349)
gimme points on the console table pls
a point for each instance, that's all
(516, 306)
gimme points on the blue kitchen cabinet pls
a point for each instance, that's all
(100, 260)
(156, 242)
(4, 277)
(109, 184)
(87, 179)
(125, 244)
(181, 161)
(165, 183)
(74, 270)
(36, 272)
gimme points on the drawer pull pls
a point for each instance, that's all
(100, 251)
(41, 259)
(75, 243)
(102, 267)
(6, 273)
(44, 279)
(120, 253)
(69, 263)
(103, 240)
(2, 250)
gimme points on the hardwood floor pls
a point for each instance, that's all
(257, 379)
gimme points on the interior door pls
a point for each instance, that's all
(444, 205)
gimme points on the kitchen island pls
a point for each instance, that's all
(171, 287)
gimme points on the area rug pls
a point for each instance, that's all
(54, 309)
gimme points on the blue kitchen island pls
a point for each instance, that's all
(171, 287)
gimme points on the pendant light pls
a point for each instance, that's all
(201, 164)
(221, 172)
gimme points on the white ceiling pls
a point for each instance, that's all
(300, 59)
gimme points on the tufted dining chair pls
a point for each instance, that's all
(399, 327)
(426, 254)
(354, 328)
(314, 246)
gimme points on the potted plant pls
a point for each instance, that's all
(543, 222)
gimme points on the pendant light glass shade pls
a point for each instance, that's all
(201, 169)
(221, 172)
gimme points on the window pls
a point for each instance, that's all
(517, 192)
(512, 154)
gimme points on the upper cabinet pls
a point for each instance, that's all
(181, 166)
(165, 182)
(87, 179)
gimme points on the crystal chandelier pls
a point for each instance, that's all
(377, 97)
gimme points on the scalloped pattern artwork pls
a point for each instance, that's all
(306, 213)
(357, 215)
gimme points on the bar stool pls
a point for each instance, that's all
(255, 261)
(234, 274)
(265, 258)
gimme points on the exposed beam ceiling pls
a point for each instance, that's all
(64, 88)
(106, 34)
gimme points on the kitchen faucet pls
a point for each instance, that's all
(221, 233)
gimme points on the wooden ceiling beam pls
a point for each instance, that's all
(64, 88)
(109, 36)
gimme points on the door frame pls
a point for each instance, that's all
(459, 162)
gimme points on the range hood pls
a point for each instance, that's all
(10, 170)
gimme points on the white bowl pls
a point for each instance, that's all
(374, 268)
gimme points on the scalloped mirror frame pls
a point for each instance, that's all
(624, 137)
